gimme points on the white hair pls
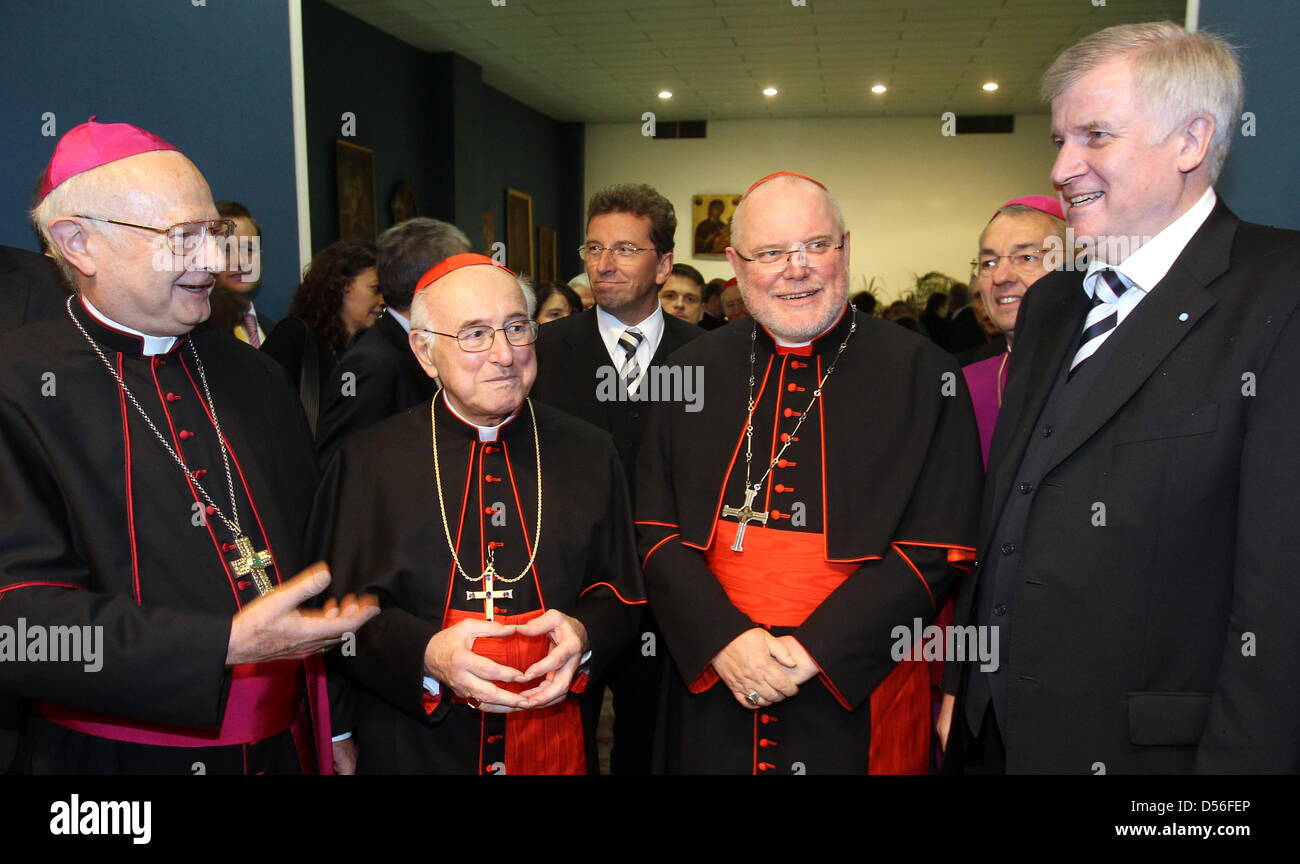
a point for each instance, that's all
(1176, 73)
(740, 210)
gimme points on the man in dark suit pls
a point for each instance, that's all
(1138, 540)
(30, 287)
(379, 376)
(629, 255)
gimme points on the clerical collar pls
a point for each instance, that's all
(485, 433)
(399, 318)
(829, 339)
(142, 343)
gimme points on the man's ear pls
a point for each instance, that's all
(664, 268)
(422, 347)
(71, 240)
(1194, 142)
(733, 258)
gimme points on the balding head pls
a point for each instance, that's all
(126, 272)
(796, 296)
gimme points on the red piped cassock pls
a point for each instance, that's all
(100, 528)
(376, 522)
(871, 518)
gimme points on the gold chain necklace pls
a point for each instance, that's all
(489, 575)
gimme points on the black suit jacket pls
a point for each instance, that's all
(30, 287)
(1154, 626)
(569, 353)
(385, 379)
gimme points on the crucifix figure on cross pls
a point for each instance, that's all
(745, 514)
(487, 595)
(254, 563)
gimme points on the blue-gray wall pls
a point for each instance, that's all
(432, 122)
(213, 80)
(1261, 179)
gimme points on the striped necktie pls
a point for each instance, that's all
(630, 371)
(1102, 318)
(250, 328)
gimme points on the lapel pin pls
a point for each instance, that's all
(1182, 316)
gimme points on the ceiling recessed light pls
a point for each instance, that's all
(665, 94)
(990, 86)
(769, 91)
(879, 88)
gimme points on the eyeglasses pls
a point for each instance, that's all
(478, 338)
(183, 236)
(622, 251)
(811, 254)
(1025, 263)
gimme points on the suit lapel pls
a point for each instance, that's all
(1153, 330)
(1033, 373)
(585, 355)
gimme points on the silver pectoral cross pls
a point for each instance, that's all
(487, 595)
(745, 514)
(253, 562)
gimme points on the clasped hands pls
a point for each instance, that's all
(758, 662)
(449, 657)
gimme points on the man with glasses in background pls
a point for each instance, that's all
(628, 254)
(504, 590)
(155, 482)
(1014, 253)
(797, 530)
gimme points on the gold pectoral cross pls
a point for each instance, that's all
(746, 514)
(487, 595)
(253, 562)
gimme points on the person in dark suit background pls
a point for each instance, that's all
(1138, 524)
(30, 287)
(379, 376)
(628, 255)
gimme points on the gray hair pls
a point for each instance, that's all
(1058, 225)
(77, 194)
(740, 209)
(408, 250)
(1176, 73)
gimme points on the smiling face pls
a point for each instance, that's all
(1019, 238)
(247, 275)
(362, 301)
(128, 273)
(1122, 174)
(797, 302)
(626, 288)
(488, 386)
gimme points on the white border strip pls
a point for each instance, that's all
(297, 79)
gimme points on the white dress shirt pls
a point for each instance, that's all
(652, 328)
(1144, 268)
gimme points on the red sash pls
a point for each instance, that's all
(778, 581)
(264, 700)
(539, 740)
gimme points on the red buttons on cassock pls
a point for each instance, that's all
(172, 397)
(210, 510)
(200, 473)
(795, 388)
(790, 412)
(782, 488)
(491, 448)
(785, 436)
(495, 544)
(795, 364)
(777, 514)
(785, 463)
(488, 510)
(489, 478)
(186, 434)
(767, 718)
(766, 742)
(228, 547)
(765, 766)
(243, 584)
(492, 739)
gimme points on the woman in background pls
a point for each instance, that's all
(556, 300)
(338, 299)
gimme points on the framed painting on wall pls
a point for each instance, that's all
(519, 232)
(355, 167)
(545, 254)
(402, 205)
(711, 218)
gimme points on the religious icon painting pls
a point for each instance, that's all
(355, 167)
(519, 232)
(711, 216)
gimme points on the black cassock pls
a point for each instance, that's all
(870, 515)
(377, 524)
(100, 528)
